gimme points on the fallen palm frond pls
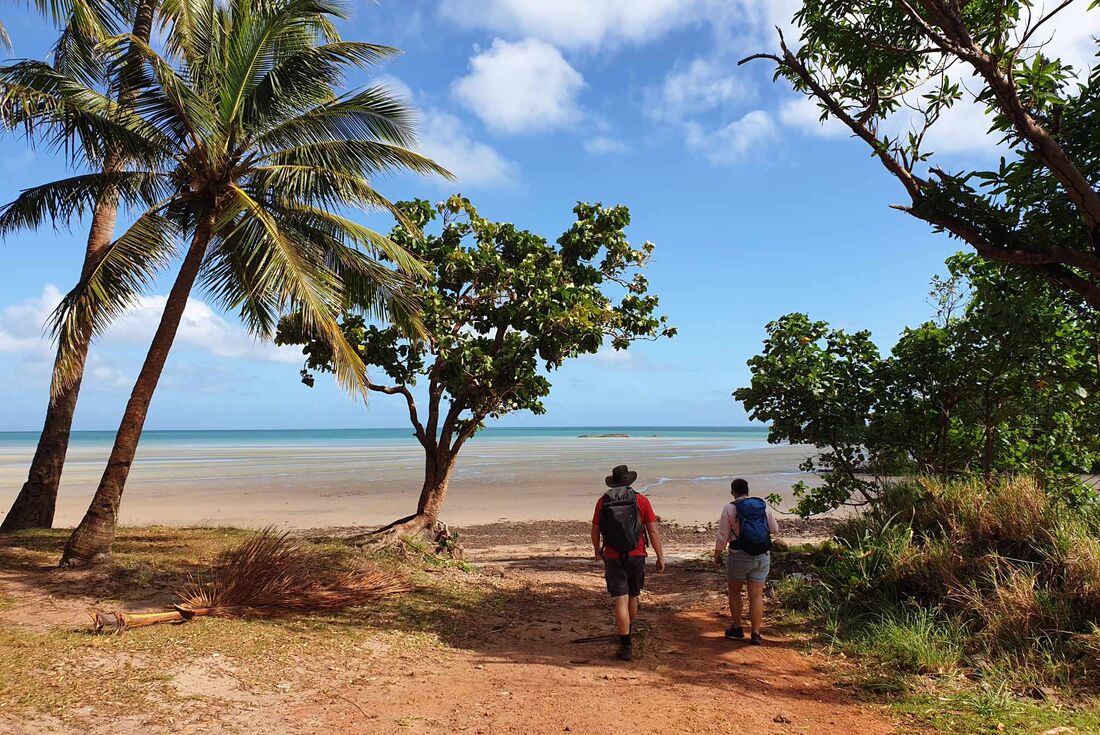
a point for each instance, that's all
(268, 575)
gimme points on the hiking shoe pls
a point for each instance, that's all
(737, 633)
(625, 653)
(755, 639)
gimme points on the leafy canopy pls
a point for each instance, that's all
(502, 309)
(889, 70)
(1003, 381)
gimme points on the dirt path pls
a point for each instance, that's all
(513, 669)
(523, 675)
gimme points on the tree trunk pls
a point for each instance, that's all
(93, 538)
(438, 466)
(34, 506)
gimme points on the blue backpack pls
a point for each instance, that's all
(755, 537)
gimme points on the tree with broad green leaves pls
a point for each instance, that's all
(502, 310)
(870, 63)
(240, 152)
(813, 385)
(1003, 382)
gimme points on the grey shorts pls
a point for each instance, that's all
(741, 567)
(624, 577)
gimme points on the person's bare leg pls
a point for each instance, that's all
(756, 605)
(735, 602)
(633, 610)
(622, 614)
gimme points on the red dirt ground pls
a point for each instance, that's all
(517, 670)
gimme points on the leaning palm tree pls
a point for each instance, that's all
(78, 70)
(263, 158)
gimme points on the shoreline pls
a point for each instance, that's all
(307, 486)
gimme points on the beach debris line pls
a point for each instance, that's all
(268, 575)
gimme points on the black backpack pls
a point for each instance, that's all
(620, 522)
(755, 537)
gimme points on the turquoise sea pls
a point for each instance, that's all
(367, 437)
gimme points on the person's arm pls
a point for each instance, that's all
(773, 527)
(722, 538)
(597, 547)
(655, 539)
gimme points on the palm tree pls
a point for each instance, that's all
(78, 67)
(259, 155)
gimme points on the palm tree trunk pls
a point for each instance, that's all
(35, 504)
(93, 538)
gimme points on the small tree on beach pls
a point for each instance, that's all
(1002, 383)
(502, 310)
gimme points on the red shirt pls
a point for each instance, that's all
(645, 510)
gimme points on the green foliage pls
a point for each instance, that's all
(914, 641)
(871, 64)
(1002, 381)
(814, 385)
(502, 308)
(1002, 575)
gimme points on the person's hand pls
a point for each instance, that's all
(660, 564)
(599, 554)
(718, 557)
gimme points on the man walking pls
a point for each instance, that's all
(746, 526)
(620, 525)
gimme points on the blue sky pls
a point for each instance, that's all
(756, 210)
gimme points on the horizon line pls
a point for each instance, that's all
(399, 428)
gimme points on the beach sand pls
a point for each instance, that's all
(310, 486)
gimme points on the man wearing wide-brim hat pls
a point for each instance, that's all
(622, 522)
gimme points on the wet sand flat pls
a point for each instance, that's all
(317, 486)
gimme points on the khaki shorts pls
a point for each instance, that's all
(744, 567)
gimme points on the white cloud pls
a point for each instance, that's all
(803, 114)
(596, 24)
(23, 332)
(22, 326)
(733, 142)
(702, 86)
(201, 327)
(574, 23)
(444, 140)
(1071, 33)
(521, 87)
(602, 145)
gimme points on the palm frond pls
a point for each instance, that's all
(304, 79)
(308, 287)
(44, 102)
(59, 202)
(375, 113)
(269, 575)
(124, 270)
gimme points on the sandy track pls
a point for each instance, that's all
(515, 670)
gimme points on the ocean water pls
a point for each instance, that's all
(741, 435)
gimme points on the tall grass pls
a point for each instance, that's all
(942, 576)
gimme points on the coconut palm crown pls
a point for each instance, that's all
(240, 145)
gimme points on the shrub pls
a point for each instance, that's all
(1013, 565)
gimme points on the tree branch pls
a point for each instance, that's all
(404, 391)
(1045, 148)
